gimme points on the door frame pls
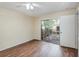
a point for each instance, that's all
(50, 19)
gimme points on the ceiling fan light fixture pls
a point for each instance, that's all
(27, 6)
(31, 6)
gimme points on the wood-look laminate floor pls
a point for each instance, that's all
(36, 48)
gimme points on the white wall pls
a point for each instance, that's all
(78, 31)
(76, 28)
(37, 29)
(15, 28)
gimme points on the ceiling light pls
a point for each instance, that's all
(30, 6)
(27, 6)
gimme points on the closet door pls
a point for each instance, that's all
(67, 31)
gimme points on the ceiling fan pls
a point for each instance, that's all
(29, 6)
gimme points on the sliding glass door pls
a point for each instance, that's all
(50, 30)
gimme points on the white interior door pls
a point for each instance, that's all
(67, 31)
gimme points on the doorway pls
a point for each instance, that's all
(50, 31)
